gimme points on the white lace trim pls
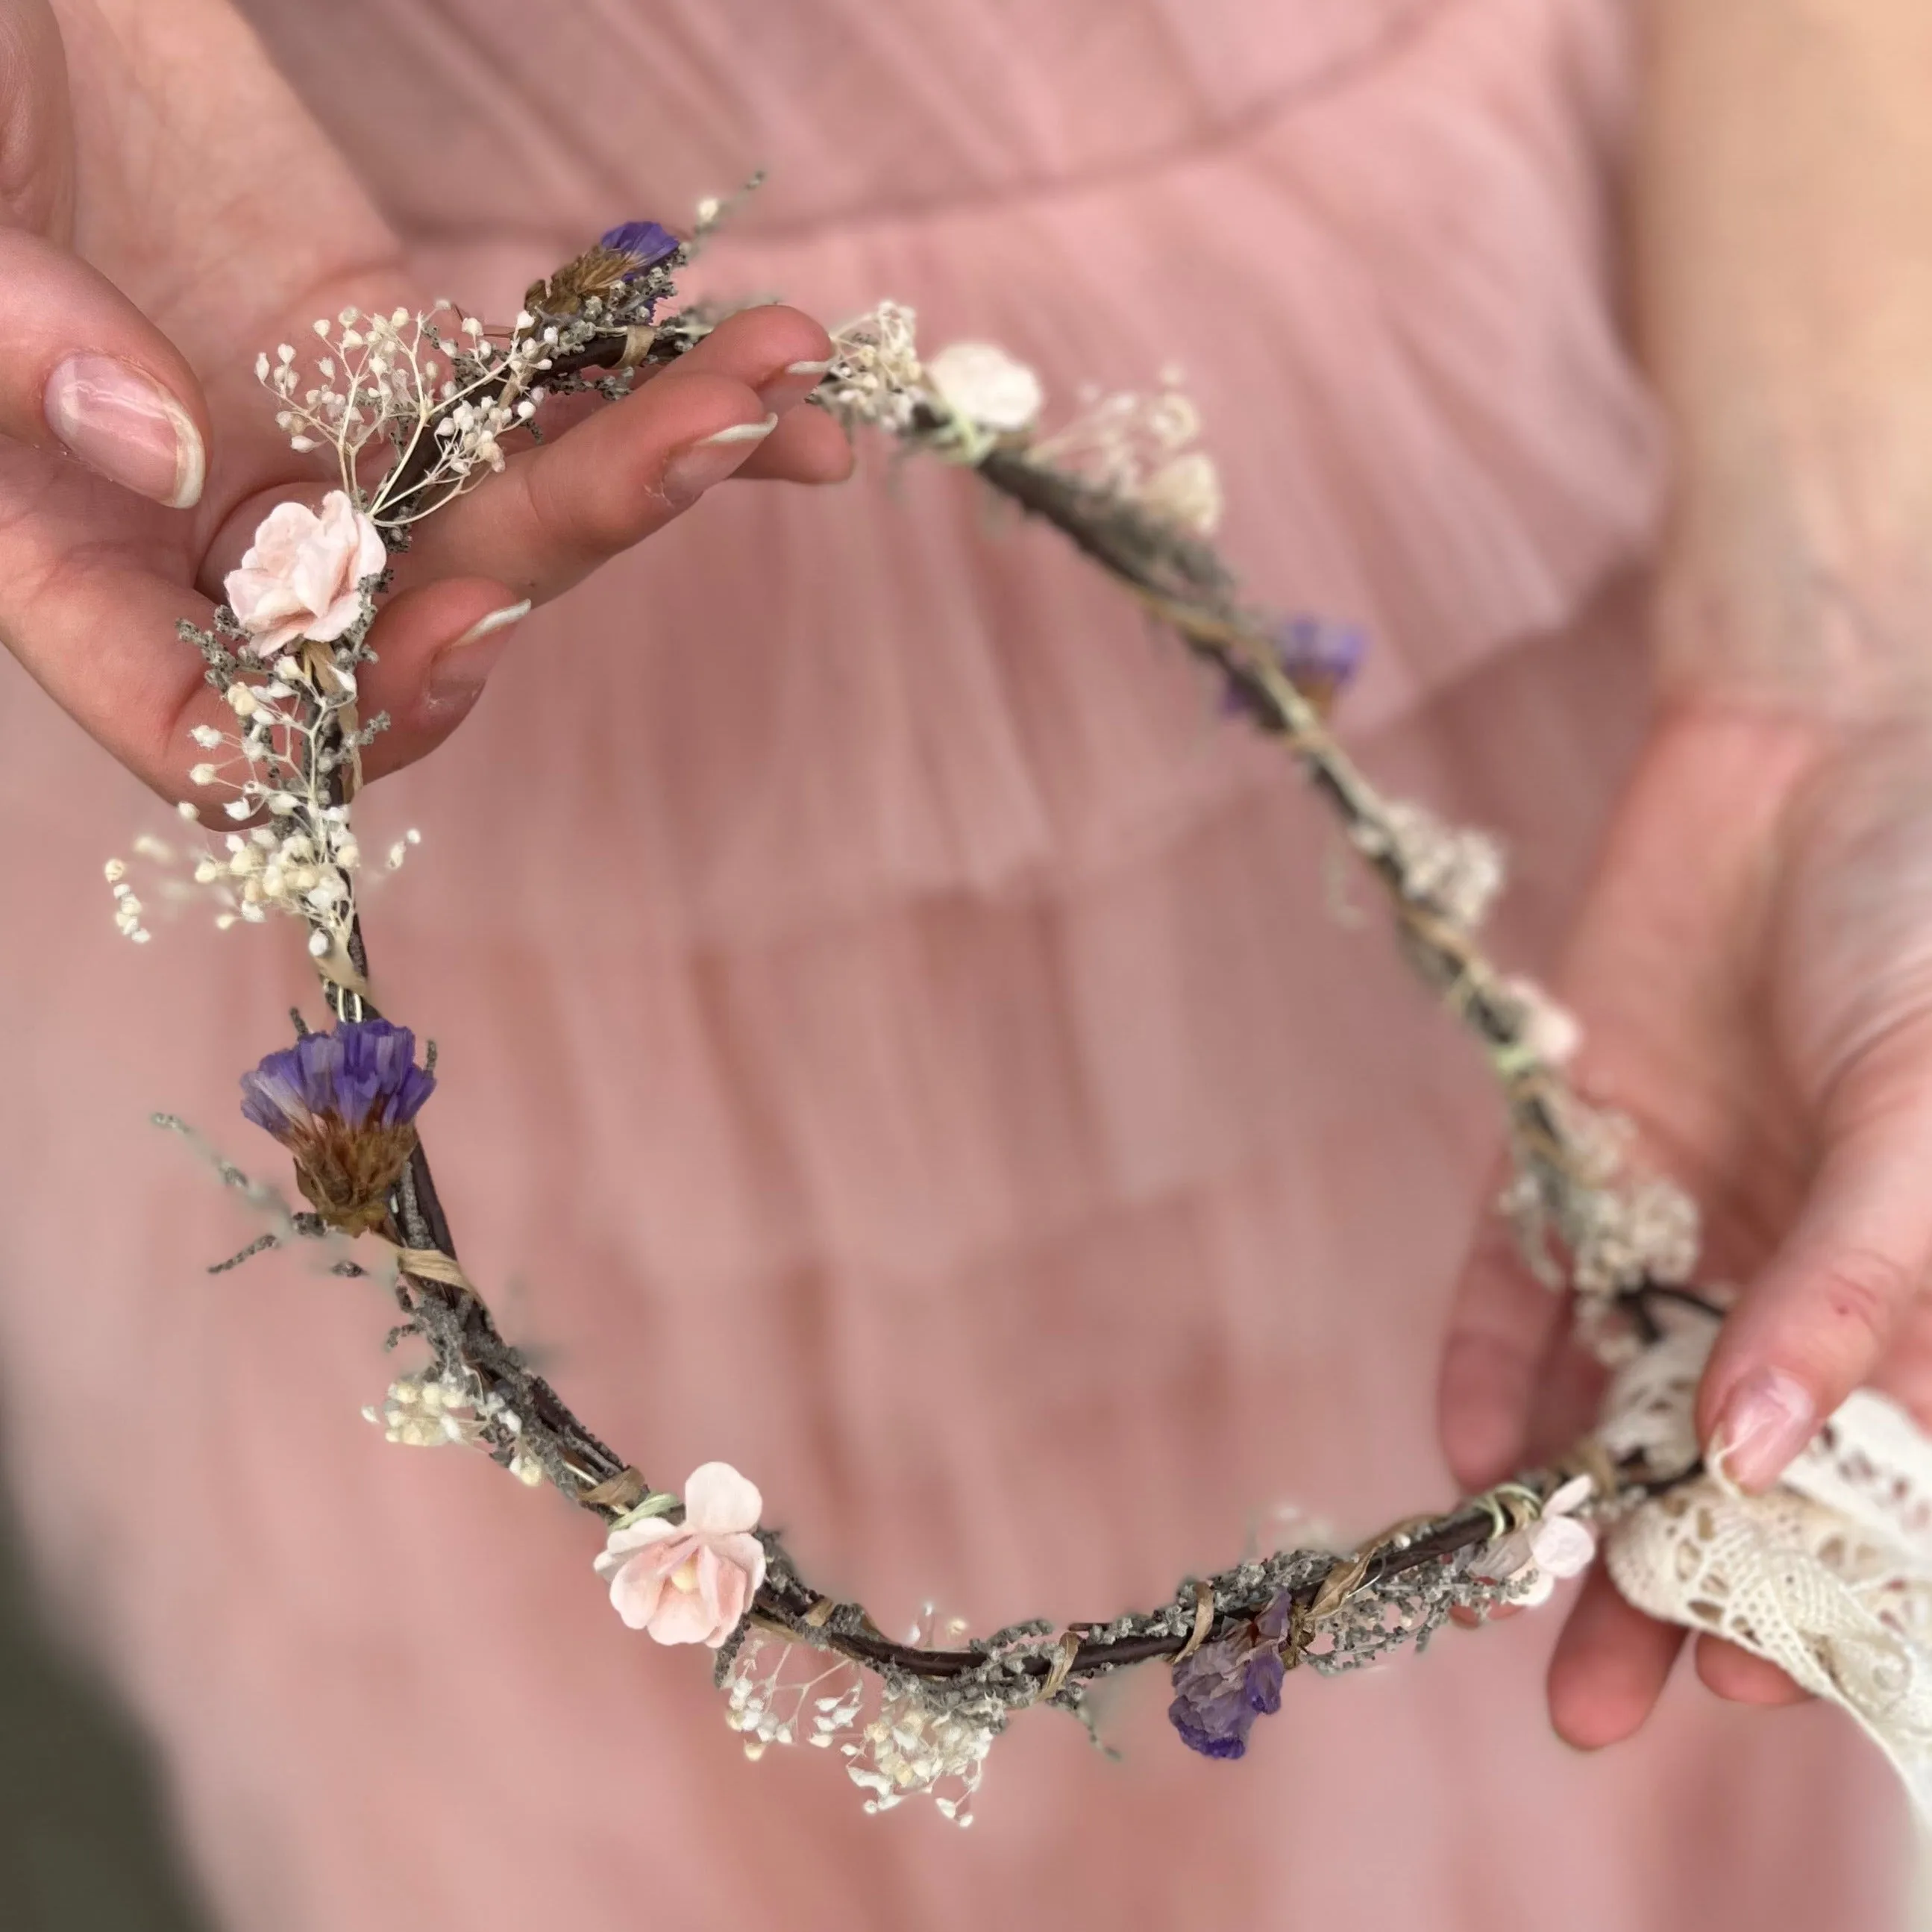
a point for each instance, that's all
(1829, 1576)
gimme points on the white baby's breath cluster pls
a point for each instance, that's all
(1140, 447)
(777, 1692)
(912, 1749)
(128, 910)
(1456, 872)
(442, 403)
(876, 378)
(971, 397)
(901, 1746)
(302, 859)
(1574, 1191)
(431, 1412)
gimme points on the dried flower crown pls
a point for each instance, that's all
(1125, 484)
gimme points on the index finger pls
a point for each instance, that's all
(562, 509)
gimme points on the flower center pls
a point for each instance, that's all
(684, 1576)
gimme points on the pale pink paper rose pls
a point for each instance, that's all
(690, 1582)
(1555, 1546)
(299, 578)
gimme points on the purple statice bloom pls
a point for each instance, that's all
(1318, 655)
(648, 240)
(344, 1105)
(1319, 650)
(1225, 1686)
(363, 1074)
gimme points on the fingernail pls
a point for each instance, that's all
(792, 384)
(694, 468)
(1767, 1419)
(130, 429)
(461, 668)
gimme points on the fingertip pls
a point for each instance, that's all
(1766, 1419)
(436, 646)
(1610, 1667)
(1736, 1675)
(1482, 1401)
(1816, 1322)
(808, 446)
(761, 347)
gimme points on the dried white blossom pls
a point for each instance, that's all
(1556, 1545)
(911, 1750)
(1548, 1032)
(980, 383)
(1123, 442)
(1187, 492)
(876, 377)
(778, 1693)
(1456, 873)
(429, 1412)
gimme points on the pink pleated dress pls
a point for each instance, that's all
(896, 1037)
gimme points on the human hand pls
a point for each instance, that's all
(168, 209)
(1753, 972)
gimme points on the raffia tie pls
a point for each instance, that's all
(1347, 1577)
(1062, 1667)
(619, 1491)
(427, 1265)
(1204, 1621)
(637, 346)
(1589, 1457)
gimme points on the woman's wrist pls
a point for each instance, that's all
(1806, 586)
(1783, 219)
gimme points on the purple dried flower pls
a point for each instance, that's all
(1225, 1686)
(647, 242)
(344, 1104)
(1317, 655)
(1318, 651)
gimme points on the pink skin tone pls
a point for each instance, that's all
(232, 228)
(1753, 965)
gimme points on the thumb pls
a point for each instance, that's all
(83, 370)
(1812, 1326)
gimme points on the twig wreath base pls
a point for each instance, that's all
(439, 396)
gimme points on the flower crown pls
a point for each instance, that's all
(1124, 483)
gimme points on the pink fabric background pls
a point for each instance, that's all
(894, 1037)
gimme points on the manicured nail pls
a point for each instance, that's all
(694, 468)
(1767, 1418)
(460, 670)
(130, 429)
(792, 384)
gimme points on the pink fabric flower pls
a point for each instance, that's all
(1555, 1546)
(690, 1582)
(299, 578)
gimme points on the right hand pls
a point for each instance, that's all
(1753, 968)
(167, 209)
